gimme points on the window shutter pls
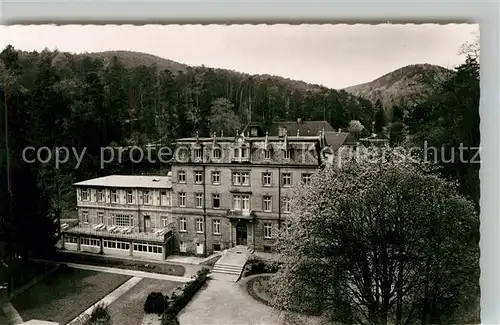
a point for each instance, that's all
(79, 194)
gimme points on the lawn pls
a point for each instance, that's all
(258, 288)
(109, 261)
(65, 294)
(128, 308)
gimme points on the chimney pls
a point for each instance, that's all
(221, 133)
(299, 120)
(298, 132)
(340, 130)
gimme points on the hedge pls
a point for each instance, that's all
(190, 289)
(258, 266)
(156, 301)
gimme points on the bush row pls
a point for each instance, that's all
(190, 289)
(157, 303)
(257, 266)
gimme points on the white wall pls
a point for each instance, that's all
(116, 251)
(71, 246)
(151, 256)
(90, 249)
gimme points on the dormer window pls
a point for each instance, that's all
(244, 152)
(254, 132)
(287, 154)
(267, 154)
(198, 153)
(281, 131)
(217, 153)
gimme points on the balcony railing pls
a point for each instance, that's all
(159, 235)
(240, 159)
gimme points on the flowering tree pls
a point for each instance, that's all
(379, 242)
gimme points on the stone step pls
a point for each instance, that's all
(226, 271)
(230, 266)
(225, 268)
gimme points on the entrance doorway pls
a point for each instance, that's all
(241, 234)
(199, 248)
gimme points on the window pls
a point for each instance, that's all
(267, 248)
(268, 203)
(286, 179)
(165, 198)
(123, 220)
(130, 197)
(181, 176)
(90, 242)
(267, 154)
(216, 227)
(100, 195)
(267, 179)
(182, 224)
(267, 230)
(198, 176)
(241, 202)
(245, 203)
(85, 216)
(100, 217)
(148, 248)
(199, 200)
(182, 247)
(287, 154)
(216, 177)
(199, 225)
(114, 196)
(217, 247)
(306, 178)
(241, 178)
(146, 197)
(71, 240)
(286, 204)
(245, 152)
(164, 221)
(217, 153)
(116, 244)
(237, 202)
(253, 132)
(216, 201)
(182, 199)
(198, 153)
(85, 194)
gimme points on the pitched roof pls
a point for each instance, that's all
(338, 139)
(306, 128)
(129, 181)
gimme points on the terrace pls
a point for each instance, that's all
(159, 235)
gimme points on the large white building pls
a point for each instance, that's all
(124, 216)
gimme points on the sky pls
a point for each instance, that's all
(335, 56)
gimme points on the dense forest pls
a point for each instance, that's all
(57, 99)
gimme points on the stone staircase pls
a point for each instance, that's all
(230, 266)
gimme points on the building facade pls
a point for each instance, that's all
(124, 216)
(230, 191)
(221, 192)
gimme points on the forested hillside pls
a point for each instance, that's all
(401, 87)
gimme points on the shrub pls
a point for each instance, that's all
(156, 303)
(257, 266)
(169, 319)
(100, 315)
